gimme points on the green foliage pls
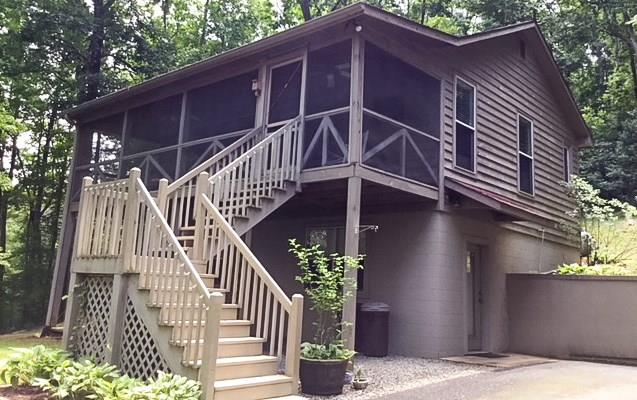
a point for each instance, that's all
(54, 371)
(600, 269)
(331, 351)
(27, 365)
(613, 237)
(327, 283)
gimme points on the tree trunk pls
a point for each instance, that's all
(93, 67)
(306, 9)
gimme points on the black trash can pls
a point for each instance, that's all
(372, 329)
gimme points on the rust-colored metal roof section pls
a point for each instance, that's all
(497, 202)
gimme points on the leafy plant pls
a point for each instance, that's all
(79, 380)
(332, 351)
(608, 235)
(599, 269)
(327, 284)
(27, 365)
(54, 371)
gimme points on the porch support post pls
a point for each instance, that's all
(356, 101)
(64, 250)
(116, 319)
(354, 184)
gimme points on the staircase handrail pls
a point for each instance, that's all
(206, 165)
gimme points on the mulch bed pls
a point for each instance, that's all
(23, 393)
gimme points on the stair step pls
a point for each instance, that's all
(228, 384)
(245, 367)
(259, 387)
(222, 362)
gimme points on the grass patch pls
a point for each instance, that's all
(24, 339)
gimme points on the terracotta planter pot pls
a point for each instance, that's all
(323, 377)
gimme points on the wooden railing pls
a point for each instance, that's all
(101, 219)
(121, 219)
(258, 172)
(176, 200)
(276, 318)
(241, 184)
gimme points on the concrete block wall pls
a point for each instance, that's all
(416, 264)
(571, 316)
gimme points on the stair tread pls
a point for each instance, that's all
(235, 322)
(245, 360)
(239, 340)
(229, 384)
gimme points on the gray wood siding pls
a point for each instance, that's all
(507, 85)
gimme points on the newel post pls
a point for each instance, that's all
(130, 220)
(210, 346)
(200, 216)
(295, 331)
(162, 196)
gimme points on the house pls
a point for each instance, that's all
(185, 189)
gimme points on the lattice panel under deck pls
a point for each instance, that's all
(91, 327)
(140, 355)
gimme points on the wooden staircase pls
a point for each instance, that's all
(237, 330)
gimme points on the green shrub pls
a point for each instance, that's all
(599, 269)
(27, 365)
(54, 371)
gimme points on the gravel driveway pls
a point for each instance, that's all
(393, 374)
(562, 380)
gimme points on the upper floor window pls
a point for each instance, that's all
(566, 163)
(525, 155)
(465, 132)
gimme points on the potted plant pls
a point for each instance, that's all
(327, 286)
(360, 381)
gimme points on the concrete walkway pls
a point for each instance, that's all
(573, 380)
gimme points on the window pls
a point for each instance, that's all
(525, 155)
(332, 240)
(465, 138)
(566, 163)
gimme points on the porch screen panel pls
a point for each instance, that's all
(328, 78)
(222, 107)
(153, 126)
(401, 118)
(326, 140)
(99, 150)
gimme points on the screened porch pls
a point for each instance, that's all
(334, 88)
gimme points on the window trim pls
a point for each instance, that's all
(567, 167)
(473, 128)
(521, 153)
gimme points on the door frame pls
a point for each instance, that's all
(269, 67)
(475, 299)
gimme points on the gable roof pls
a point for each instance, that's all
(349, 13)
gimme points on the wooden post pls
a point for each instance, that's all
(354, 185)
(162, 196)
(80, 224)
(356, 101)
(130, 220)
(72, 308)
(295, 332)
(116, 319)
(200, 216)
(210, 346)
